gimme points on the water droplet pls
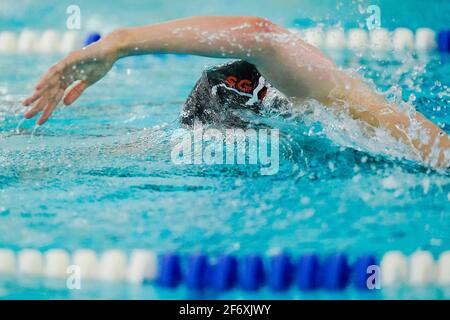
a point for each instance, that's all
(17, 130)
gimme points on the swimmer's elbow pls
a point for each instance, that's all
(263, 32)
(261, 25)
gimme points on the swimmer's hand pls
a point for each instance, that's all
(68, 79)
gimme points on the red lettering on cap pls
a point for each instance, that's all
(231, 81)
(245, 85)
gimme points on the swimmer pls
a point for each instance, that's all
(267, 52)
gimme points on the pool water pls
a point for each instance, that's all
(99, 174)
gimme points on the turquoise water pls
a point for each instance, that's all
(99, 174)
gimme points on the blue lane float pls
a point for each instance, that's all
(307, 272)
(91, 38)
(360, 274)
(335, 272)
(444, 41)
(197, 272)
(169, 271)
(224, 274)
(251, 273)
(280, 274)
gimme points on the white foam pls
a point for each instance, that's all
(390, 183)
(345, 131)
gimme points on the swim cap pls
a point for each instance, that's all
(222, 89)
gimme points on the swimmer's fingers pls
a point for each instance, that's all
(37, 94)
(51, 77)
(75, 92)
(50, 107)
(38, 106)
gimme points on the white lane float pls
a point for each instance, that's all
(113, 266)
(143, 266)
(394, 269)
(380, 40)
(358, 39)
(30, 262)
(425, 39)
(443, 270)
(69, 42)
(403, 39)
(314, 36)
(8, 42)
(335, 40)
(88, 263)
(27, 42)
(7, 261)
(57, 262)
(422, 271)
(49, 42)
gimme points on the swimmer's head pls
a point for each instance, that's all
(220, 90)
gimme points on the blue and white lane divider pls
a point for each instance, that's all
(400, 39)
(46, 42)
(279, 272)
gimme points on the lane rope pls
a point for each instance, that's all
(252, 272)
(398, 40)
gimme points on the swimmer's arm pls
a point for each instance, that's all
(430, 143)
(226, 37)
(294, 67)
(249, 38)
(291, 65)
